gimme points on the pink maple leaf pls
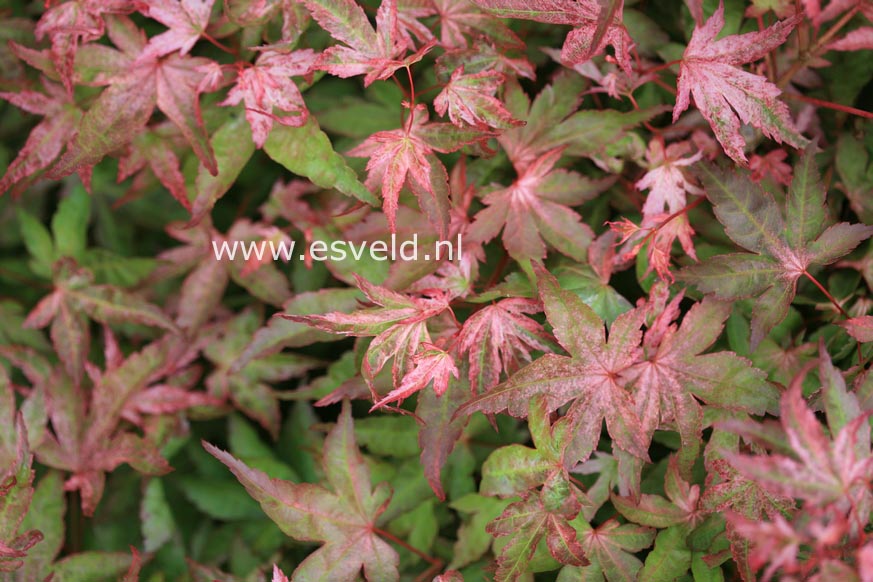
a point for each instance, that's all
(431, 364)
(186, 19)
(596, 24)
(374, 53)
(537, 207)
(268, 85)
(725, 94)
(70, 23)
(469, 98)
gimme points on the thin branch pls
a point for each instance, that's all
(813, 52)
(403, 544)
(828, 105)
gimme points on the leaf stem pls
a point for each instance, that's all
(804, 58)
(829, 105)
(837, 305)
(411, 97)
(389, 536)
(827, 294)
(661, 67)
(219, 44)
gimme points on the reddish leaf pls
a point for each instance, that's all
(499, 338)
(596, 24)
(374, 53)
(268, 85)
(725, 94)
(186, 19)
(591, 379)
(537, 207)
(430, 364)
(469, 98)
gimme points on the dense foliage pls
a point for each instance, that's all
(648, 358)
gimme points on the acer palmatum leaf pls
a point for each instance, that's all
(68, 24)
(268, 85)
(460, 19)
(675, 374)
(499, 339)
(407, 156)
(591, 379)
(186, 19)
(537, 207)
(344, 518)
(820, 470)
(398, 324)
(136, 85)
(781, 249)
(16, 480)
(597, 23)
(374, 53)
(725, 94)
(612, 546)
(469, 99)
(430, 365)
(46, 140)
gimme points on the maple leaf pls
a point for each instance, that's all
(207, 278)
(860, 328)
(268, 85)
(596, 24)
(70, 23)
(611, 547)
(551, 121)
(857, 40)
(663, 213)
(537, 207)
(46, 140)
(818, 470)
(666, 180)
(544, 514)
(186, 19)
(460, 17)
(674, 375)
(681, 506)
(469, 98)
(526, 523)
(87, 438)
(344, 518)
(249, 386)
(781, 250)
(135, 86)
(430, 364)
(398, 324)
(149, 148)
(771, 165)
(374, 53)
(406, 156)
(590, 379)
(725, 94)
(16, 481)
(74, 299)
(499, 339)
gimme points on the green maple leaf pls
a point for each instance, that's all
(781, 248)
(343, 517)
